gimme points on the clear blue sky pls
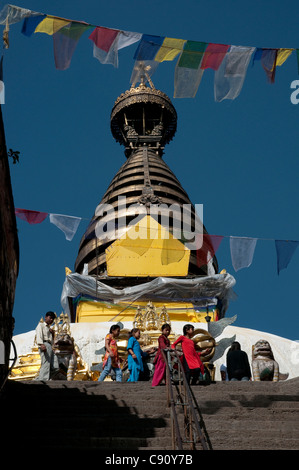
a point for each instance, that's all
(239, 158)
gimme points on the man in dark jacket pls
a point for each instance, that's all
(237, 363)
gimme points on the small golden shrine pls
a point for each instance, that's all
(28, 364)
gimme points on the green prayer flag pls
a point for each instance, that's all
(192, 54)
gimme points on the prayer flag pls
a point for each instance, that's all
(11, 14)
(148, 47)
(65, 42)
(66, 223)
(210, 244)
(126, 38)
(51, 25)
(268, 58)
(30, 24)
(32, 217)
(103, 38)
(188, 73)
(170, 49)
(242, 251)
(107, 43)
(214, 55)
(282, 55)
(284, 251)
(230, 76)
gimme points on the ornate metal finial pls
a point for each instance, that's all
(141, 74)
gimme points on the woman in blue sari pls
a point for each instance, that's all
(135, 356)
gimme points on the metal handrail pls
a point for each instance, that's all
(190, 403)
(176, 434)
(12, 366)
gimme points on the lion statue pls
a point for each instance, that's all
(264, 366)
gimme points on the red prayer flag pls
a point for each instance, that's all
(210, 244)
(103, 38)
(214, 55)
(32, 217)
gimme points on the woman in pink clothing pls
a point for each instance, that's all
(160, 366)
(192, 364)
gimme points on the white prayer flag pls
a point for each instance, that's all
(66, 223)
(11, 14)
(230, 76)
(242, 251)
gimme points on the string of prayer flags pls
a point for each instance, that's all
(284, 250)
(242, 251)
(230, 63)
(230, 76)
(32, 217)
(66, 223)
(188, 73)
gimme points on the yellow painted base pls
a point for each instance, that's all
(89, 311)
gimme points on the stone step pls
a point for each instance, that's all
(259, 443)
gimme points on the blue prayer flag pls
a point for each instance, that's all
(148, 47)
(284, 250)
(30, 24)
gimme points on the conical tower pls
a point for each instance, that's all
(143, 120)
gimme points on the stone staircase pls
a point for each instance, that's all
(85, 415)
(250, 415)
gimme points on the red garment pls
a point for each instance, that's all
(192, 357)
(163, 343)
(160, 366)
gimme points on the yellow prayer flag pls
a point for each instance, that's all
(51, 25)
(170, 49)
(282, 55)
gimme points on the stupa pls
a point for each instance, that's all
(134, 250)
(145, 257)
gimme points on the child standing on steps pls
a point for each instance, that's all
(111, 358)
(160, 366)
(135, 363)
(192, 363)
